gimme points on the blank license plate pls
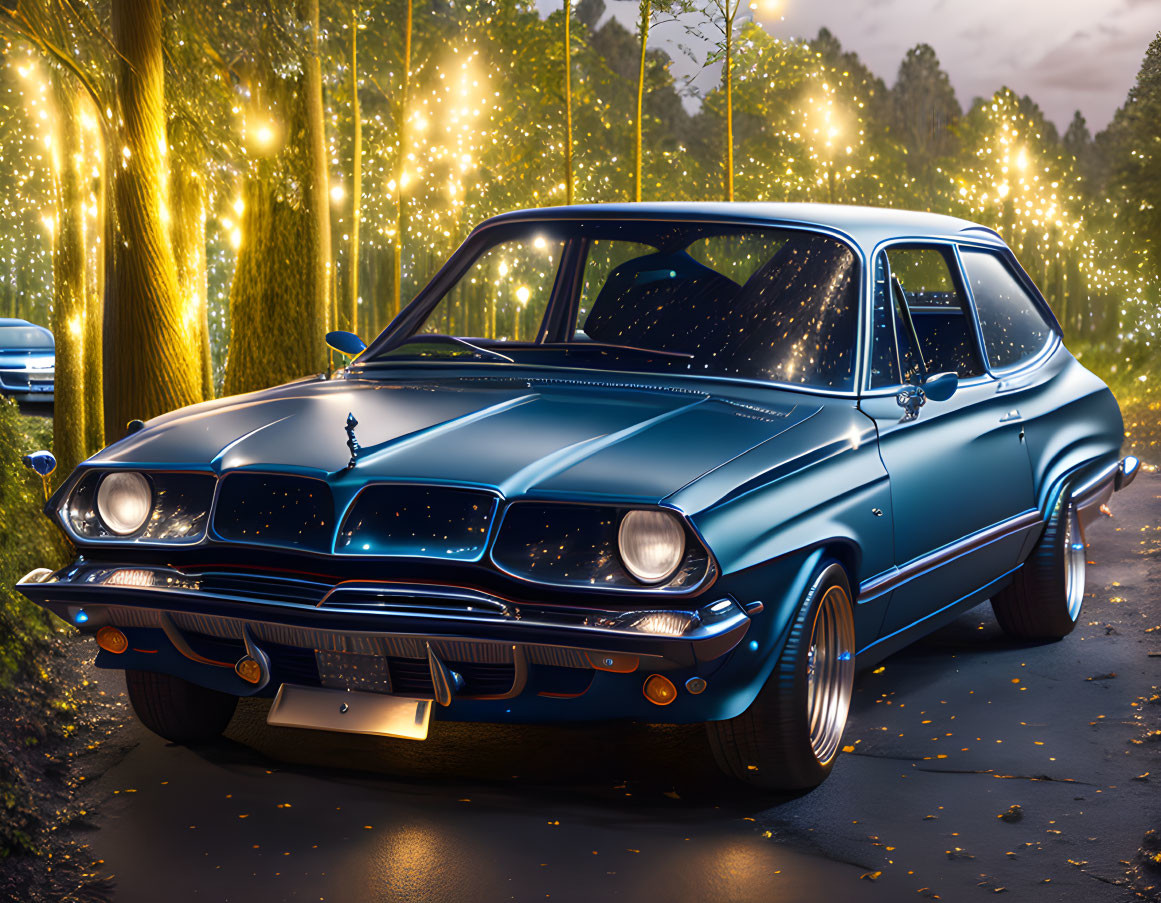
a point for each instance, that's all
(350, 712)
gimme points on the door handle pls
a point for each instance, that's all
(1013, 414)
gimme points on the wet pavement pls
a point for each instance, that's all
(944, 739)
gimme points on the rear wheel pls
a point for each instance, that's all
(1044, 599)
(789, 737)
(178, 710)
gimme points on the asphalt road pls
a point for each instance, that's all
(946, 737)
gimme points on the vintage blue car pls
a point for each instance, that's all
(27, 361)
(664, 462)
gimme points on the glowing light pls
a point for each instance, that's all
(523, 293)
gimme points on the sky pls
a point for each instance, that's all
(1066, 54)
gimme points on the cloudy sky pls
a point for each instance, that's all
(1066, 54)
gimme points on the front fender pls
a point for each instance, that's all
(780, 586)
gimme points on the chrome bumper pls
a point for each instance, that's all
(1088, 497)
(386, 619)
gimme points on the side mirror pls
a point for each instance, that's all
(345, 343)
(941, 386)
(41, 462)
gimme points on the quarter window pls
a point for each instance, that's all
(1014, 329)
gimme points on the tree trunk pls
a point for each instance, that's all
(187, 205)
(356, 183)
(280, 299)
(316, 196)
(400, 172)
(148, 359)
(729, 77)
(646, 15)
(567, 102)
(68, 278)
(96, 153)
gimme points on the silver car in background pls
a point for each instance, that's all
(27, 361)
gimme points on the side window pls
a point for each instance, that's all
(932, 322)
(1013, 327)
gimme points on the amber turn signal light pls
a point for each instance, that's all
(659, 690)
(112, 640)
(249, 670)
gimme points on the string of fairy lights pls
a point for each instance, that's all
(482, 132)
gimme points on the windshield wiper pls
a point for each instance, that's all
(608, 346)
(438, 338)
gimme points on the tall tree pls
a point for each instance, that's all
(649, 13)
(187, 229)
(54, 30)
(316, 194)
(356, 182)
(925, 105)
(1137, 161)
(280, 297)
(149, 360)
(69, 277)
(721, 16)
(567, 47)
(401, 162)
(97, 153)
(1078, 141)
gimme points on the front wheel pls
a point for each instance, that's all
(178, 710)
(789, 737)
(1044, 599)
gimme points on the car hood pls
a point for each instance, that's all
(542, 437)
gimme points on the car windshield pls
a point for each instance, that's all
(720, 300)
(24, 337)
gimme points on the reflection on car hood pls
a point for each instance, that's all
(566, 438)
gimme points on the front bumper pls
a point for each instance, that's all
(28, 384)
(496, 658)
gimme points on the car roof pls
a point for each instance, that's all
(13, 321)
(865, 226)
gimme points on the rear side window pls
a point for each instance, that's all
(1014, 328)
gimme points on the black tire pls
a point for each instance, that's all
(1044, 599)
(177, 710)
(770, 744)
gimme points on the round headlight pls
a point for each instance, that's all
(652, 544)
(124, 501)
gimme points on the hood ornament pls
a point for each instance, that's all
(352, 442)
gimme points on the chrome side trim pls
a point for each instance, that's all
(890, 580)
(915, 624)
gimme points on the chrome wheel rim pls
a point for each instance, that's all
(1074, 565)
(830, 672)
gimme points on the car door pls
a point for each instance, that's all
(960, 477)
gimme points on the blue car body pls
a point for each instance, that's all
(27, 361)
(295, 555)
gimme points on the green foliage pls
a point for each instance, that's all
(29, 540)
(923, 106)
